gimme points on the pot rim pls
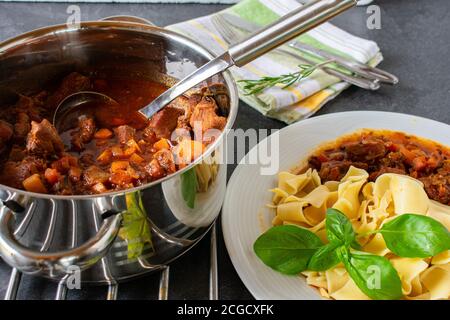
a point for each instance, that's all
(22, 39)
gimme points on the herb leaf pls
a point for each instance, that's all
(339, 229)
(324, 258)
(287, 249)
(135, 226)
(287, 80)
(374, 275)
(415, 236)
(189, 187)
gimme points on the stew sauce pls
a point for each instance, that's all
(104, 147)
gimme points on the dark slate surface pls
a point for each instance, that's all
(415, 41)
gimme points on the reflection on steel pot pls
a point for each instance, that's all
(47, 234)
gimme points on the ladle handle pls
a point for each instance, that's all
(286, 28)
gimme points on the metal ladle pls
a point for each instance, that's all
(284, 29)
(74, 103)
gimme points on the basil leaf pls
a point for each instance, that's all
(189, 187)
(340, 229)
(324, 258)
(374, 275)
(287, 249)
(415, 236)
(135, 226)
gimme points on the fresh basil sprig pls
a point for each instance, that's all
(291, 250)
(287, 249)
(325, 257)
(374, 275)
(415, 236)
(339, 229)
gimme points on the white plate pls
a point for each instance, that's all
(247, 191)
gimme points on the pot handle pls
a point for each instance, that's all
(52, 263)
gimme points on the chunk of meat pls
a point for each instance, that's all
(6, 133)
(154, 169)
(84, 134)
(437, 185)
(94, 175)
(17, 153)
(14, 173)
(166, 160)
(365, 150)
(393, 160)
(33, 107)
(165, 122)
(64, 163)
(72, 83)
(335, 170)
(124, 133)
(204, 117)
(74, 174)
(374, 175)
(43, 139)
(186, 106)
(220, 94)
(21, 127)
(161, 165)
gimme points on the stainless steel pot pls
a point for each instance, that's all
(48, 235)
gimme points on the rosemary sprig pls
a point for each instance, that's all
(287, 80)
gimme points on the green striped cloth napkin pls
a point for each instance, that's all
(310, 94)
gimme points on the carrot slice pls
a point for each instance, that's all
(34, 184)
(161, 144)
(133, 144)
(119, 165)
(105, 157)
(52, 175)
(103, 134)
(117, 151)
(135, 158)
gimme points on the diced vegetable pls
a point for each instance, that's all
(129, 151)
(135, 158)
(188, 150)
(133, 144)
(120, 177)
(99, 188)
(93, 175)
(142, 143)
(64, 164)
(162, 144)
(133, 173)
(103, 134)
(34, 184)
(75, 174)
(119, 165)
(407, 154)
(117, 151)
(52, 175)
(105, 157)
(419, 163)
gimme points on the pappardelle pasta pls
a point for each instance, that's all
(303, 200)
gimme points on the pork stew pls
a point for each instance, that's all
(108, 147)
(381, 152)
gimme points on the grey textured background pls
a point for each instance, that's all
(415, 40)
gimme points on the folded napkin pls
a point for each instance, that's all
(304, 98)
